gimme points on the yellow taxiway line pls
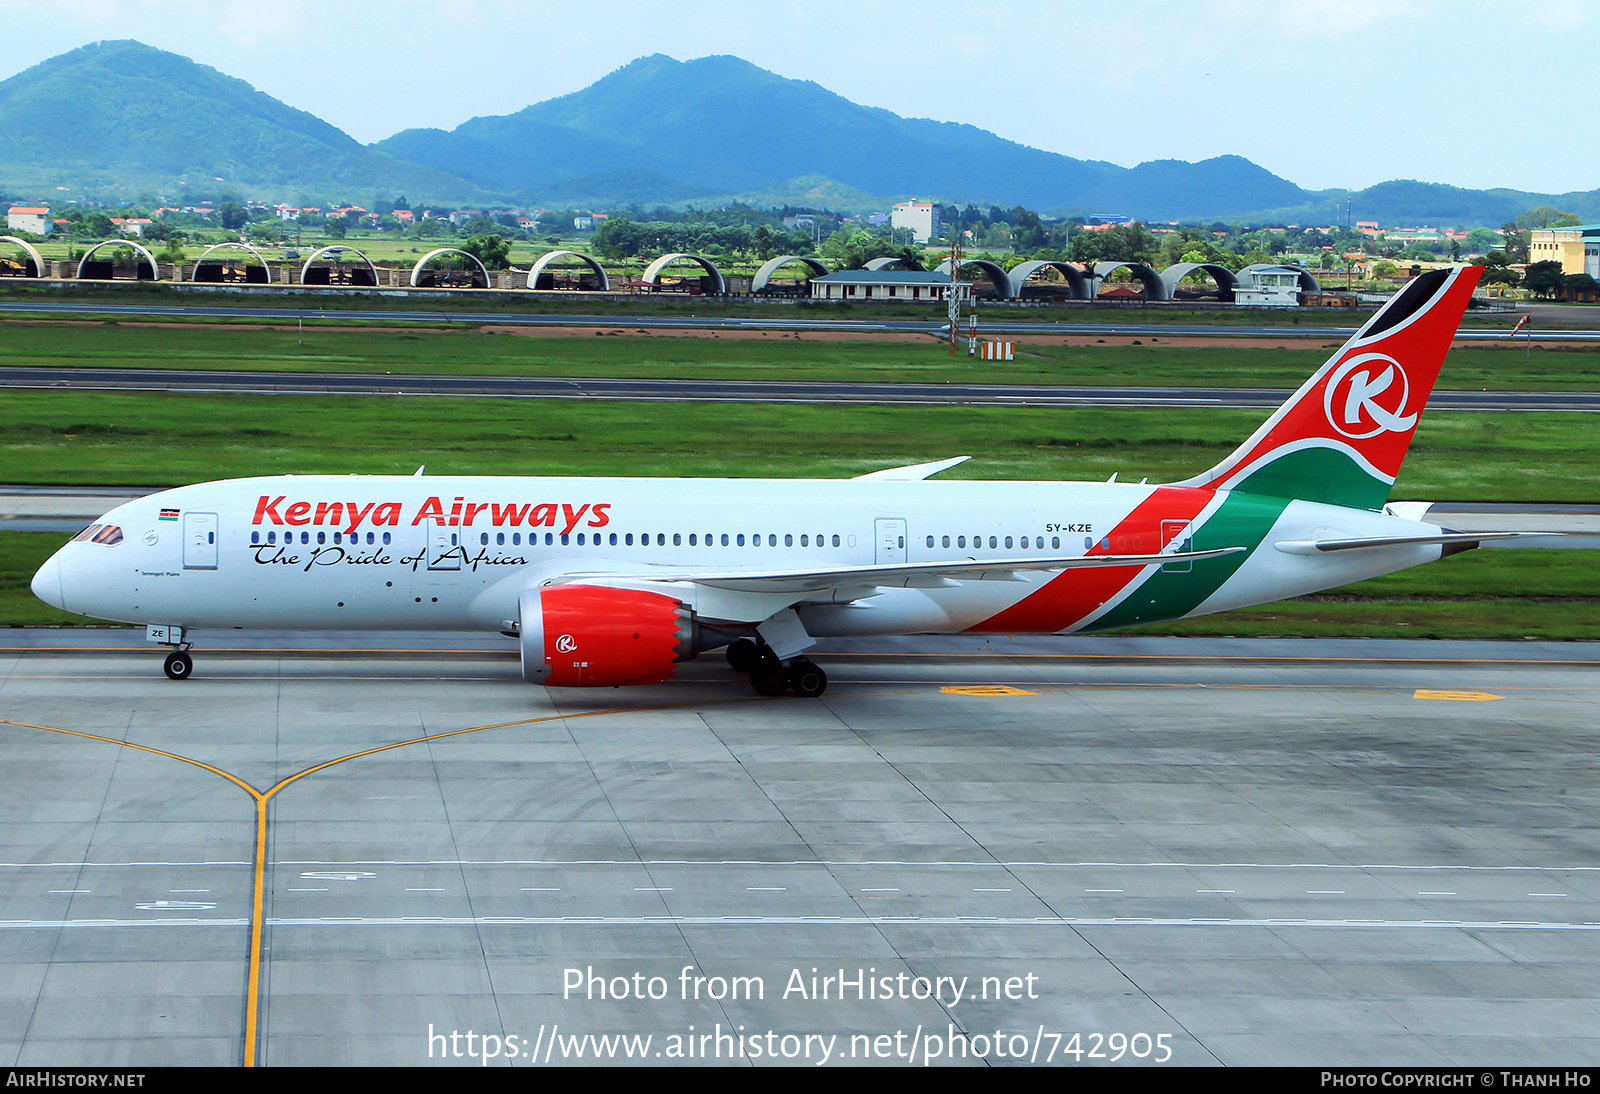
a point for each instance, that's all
(262, 798)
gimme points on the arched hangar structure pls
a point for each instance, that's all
(1225, 279)
(1154, 287)
(105, 269)
(216, 271)
(1308, 283)
(541, 278)
(431, 279)
(764, 274)
(35, 265)
(652, 273)
(996, 274)
(891, 262)
(1077, 283)
(311, 274)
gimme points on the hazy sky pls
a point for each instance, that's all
(1325, 94)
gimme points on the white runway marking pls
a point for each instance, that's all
(988, 863)
(824, 920)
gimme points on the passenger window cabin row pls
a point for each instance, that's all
(658, 539)
(644, 539)
(353, 538)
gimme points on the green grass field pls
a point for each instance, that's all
(776, 356)
(168, 439)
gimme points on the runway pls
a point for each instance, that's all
(1245, 851)
(995, 321)
(769, 391)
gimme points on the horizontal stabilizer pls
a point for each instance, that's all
(1463, 539)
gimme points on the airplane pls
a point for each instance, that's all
(607, 582)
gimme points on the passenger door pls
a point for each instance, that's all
(199, 541)
(443, 547)
(1171, 530)
(891, 541)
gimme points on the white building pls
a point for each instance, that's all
(897, 285)
(1268, 287)
(922, 217)
(30, 218)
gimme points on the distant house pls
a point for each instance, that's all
(30, 218)
(922, 217)
(131, 226)
(1577, 248)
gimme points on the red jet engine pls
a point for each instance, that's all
(587, 636)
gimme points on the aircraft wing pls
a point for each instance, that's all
(912, 472)
(798, 583)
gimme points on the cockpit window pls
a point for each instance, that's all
(87, 532)
(109, 535)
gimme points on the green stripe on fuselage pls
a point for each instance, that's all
(1318, 474)
(1242, 520)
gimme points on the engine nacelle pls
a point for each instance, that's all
(587, 636)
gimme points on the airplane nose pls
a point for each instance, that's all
(47, 584)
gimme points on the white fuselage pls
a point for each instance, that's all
(454, 553)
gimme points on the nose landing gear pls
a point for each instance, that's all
(179, 665)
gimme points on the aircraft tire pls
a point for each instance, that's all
(179, 666)
(807, 679)
(769, 680)
(743, 655)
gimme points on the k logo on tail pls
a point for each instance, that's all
(1362, 414)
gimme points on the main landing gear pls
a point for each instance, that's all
(771, 677)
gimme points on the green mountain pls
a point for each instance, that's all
(122, 117)
(722, 126)
(1409, 202)
(117, 119)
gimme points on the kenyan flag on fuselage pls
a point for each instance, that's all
(1339, 440)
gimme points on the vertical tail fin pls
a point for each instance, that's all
(1342, 437)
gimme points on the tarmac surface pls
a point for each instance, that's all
(1232, 851)
(768, 391)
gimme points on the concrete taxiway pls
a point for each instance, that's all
(1238, 851)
